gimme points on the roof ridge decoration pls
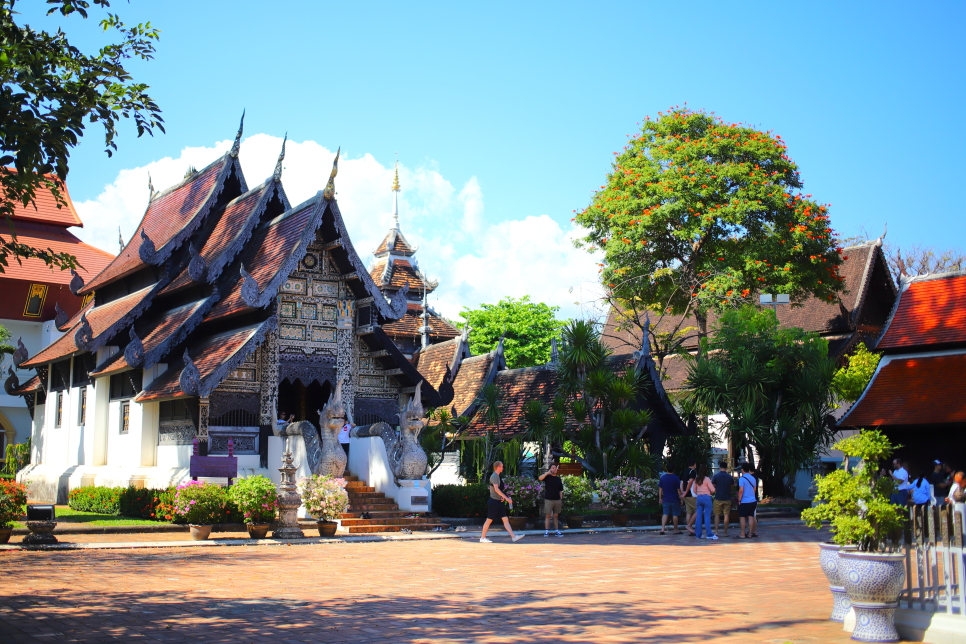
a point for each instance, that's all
(329, 193)
(277, 175)
(21, 353)
(249, 288)
(147, 252)
(134, 351)
(76, 282)
(190, 378)
(204, 386)
(155, 355)
(197, 268)
(84, 335)
(151, 192)
(268, 188)
(12, 383)
(236, 146)
(60, 316)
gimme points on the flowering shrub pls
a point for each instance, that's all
(92, 498)
(13, 502)
(324, 496)
(577, 494)
(256, 498)
(201, 503)
(649, 490)
(620, 492)
(525, 493)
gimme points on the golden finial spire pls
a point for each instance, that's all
(395, 181)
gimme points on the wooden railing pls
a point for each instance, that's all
(934, 551)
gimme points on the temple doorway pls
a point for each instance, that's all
(304, 401)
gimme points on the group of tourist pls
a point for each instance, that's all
(704, 496)
(941, 486)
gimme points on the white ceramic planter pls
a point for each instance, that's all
(873, 582)
(829, 559)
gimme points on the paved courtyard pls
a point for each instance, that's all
(617, 587)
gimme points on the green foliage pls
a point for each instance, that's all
(147, 503)
(101, 500)
(577, 495)
(439, 435)
(690, 448)
(4, 336)
(850, 380)
(611, 439)
(199, 503)
(13, 502)
(857, 504)
(460, 501)
(773, 385)
(255, 497)
(526, 328)
(699, 214)
(17, 457)
(51, 91)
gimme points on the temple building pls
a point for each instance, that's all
(917, 395)
(36, 300)
(396, 268)
(229, 306)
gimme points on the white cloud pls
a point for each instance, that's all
(475, 260)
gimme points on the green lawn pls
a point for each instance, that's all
(66, 515)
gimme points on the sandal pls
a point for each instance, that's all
(753, 534)
(741, 536)
(678, 532)
(662, 532)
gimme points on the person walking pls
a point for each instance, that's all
(721, 508)
(495, 509)
(552, 500)
(344, 438)
(702, 488)
(940, 482)
(669, 496)
(689, 502)
(747, 503)
(901, 476)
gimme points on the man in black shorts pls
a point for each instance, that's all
(552, 499)
(495, 510)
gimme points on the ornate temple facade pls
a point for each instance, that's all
(229, 306)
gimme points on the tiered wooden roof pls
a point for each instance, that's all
(921, 378)
(858, 315)
(441, 361)
(196, 288)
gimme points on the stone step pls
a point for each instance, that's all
(415, 527)
(365, 495)
(361, 488)
(381, 520)
(389, 514)
(391, 507)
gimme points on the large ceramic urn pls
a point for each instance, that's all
(873, 582)
(829, 559)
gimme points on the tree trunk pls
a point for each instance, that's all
(701, 317)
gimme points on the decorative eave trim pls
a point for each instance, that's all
(237, 245)
(874, 256)
(389, 311)
(158, 353)
(210, 383)
(431, 396)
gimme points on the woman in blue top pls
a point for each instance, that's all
(921, 490)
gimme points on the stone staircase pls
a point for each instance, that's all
(386, 515)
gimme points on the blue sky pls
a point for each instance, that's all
(522, 105)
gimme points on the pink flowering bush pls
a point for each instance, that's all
(649, 490)
(621, 492)
(201, 503)
(256, 498)
(323, 496)
(525, 493)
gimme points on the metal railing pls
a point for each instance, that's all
(935, 565)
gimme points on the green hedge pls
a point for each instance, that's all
(147, 503)
(102, 500)
(460, 501)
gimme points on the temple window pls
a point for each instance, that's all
(126, 385)
(35, 300)
(125, 416)
(59, 415)
(82, 407)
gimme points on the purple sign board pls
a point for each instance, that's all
(214, 467)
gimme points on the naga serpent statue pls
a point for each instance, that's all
(332, 417)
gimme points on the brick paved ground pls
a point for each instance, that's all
(618, 587)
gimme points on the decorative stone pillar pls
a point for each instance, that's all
(289, 501)
(268, 368)
(345, 368)
(203, 419)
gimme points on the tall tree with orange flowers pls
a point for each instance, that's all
(698, 214)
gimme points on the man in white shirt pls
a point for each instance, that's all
(901, 476)
(344, 437)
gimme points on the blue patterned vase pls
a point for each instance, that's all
(873, 582)
(829, 559)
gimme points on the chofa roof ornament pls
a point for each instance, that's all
(190, 379)
(147, 252)
(277, 175)
(329, 193)
(134, 352)
(236, 146)
(84, 335)
(76, 282)
(249, 287)
(20, 355)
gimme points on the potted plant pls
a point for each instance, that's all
(200, 505)
(577, 496)
(13, 505)
(256, 499)
(525, 493)
(621, 493)
(326, 499)
(857, 506)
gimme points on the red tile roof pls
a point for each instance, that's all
(930, 311)
(472, 375)
(60, 240)
(434, 361)
(46, 210)
(399, 245)
(402, 273)
(207, 356)
(913, 391)
(166, 215)
(517, 387)
(410, 323)
(99, 317)
(31, 385)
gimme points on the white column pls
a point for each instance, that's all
(98, 409)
